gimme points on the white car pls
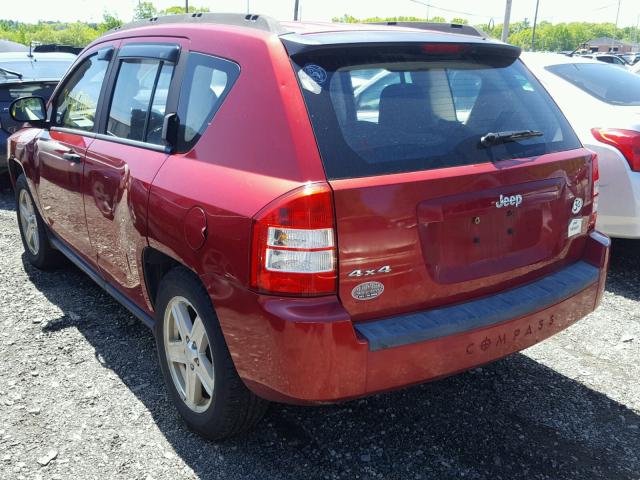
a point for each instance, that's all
(602, 103)
(636, 68)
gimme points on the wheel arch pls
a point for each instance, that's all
(15, 170)
(155, 265)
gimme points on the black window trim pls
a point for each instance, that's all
(106, 96)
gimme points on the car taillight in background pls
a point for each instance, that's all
(627, 141)
(294, 248)
(595, 172)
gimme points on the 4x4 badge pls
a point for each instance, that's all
(367, 272)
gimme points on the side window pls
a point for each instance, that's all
(207, 81)
(139, 100)
(75, 106)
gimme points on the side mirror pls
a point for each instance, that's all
(170, 128)
(31, 110)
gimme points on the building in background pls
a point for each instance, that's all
(608, 44)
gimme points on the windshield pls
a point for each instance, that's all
(377, 113)
(615, 86)
(34, 69)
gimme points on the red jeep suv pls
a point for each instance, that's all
(308, 212)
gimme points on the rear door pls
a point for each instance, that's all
(61, 149)
(127, 153)
(427, 214)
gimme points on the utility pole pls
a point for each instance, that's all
(296, 8)
(186, 6)
(505, 24)
(426, 4)
(615, 32)
(533, 34)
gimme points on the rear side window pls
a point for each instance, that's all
(139, 100)
(613, 85)
(77, 102)
(418, 111)
(207, 81)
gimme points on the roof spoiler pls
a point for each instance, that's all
(458, 28)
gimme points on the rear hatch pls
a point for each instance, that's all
(431, 209)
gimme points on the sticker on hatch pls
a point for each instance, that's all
(575, 227)
(367, 291)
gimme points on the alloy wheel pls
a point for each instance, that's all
(188, 354)
(29, 222)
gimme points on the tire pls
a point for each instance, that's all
(227, 407)
(33, 230)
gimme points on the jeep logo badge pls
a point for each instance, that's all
(509, 201)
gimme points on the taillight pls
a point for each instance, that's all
(595, 174)
(294, 248)
(627, 141)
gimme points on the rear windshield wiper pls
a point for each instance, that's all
(492, 138)
(10, 72)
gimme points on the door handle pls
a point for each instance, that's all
(72, 157)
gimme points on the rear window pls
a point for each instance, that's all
(11, 92)
(398, 109)
(613, 85)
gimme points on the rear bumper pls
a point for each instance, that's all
(309, 351)
(619, 214)
(619, 202)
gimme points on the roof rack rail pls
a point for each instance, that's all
(259, 22)
(440, 27)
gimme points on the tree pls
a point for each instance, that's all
(144, 10)
(179, 10)
(109, 21)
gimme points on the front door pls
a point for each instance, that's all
(61, 150)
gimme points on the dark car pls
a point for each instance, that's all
(286, 241)
(24, 74)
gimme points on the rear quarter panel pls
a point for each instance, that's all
(259, 146)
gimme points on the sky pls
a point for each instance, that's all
(476, 11)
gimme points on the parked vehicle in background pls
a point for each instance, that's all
(631, 58)
(214, 174)
(607, 58)
(24, 74)
(602, 103)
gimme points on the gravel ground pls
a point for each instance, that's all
(81, 397)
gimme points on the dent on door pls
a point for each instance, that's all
(117, 180)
